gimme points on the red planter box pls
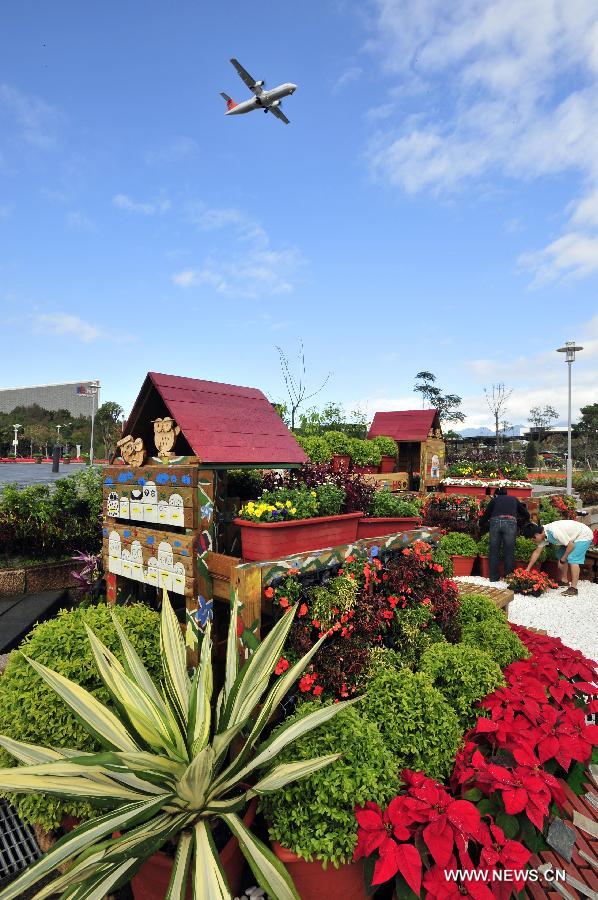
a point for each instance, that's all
(463, 565)
(378, 527)
(340, 463)
(485, 566)
(520, 493)
(314, 882)
(273, 540)
(387, 464)
(469, 490)
(365, 470)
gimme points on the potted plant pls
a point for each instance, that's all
(166, 770)
(533, 583)
(389, 514)
(462, 549)
(366, 456)
(339, 446)
(524, 547)
(312, 824)
(289, 520)
(389, 450)
(316, 447)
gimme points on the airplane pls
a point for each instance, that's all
(269, 101)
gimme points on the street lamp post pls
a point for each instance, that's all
(93, 391)
(15, 443)
(569, 350)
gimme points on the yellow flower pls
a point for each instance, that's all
(288, 504)
(313, 493)
(293, 510)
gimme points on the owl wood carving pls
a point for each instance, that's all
(165, 434)
(132, 450)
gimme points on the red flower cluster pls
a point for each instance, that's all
(533, 582)
(426, 828)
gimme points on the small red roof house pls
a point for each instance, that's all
(222, 424)
(413, 425)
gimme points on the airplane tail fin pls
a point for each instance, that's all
(230, 103)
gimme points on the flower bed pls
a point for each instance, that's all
(453, 512)
(478, 487)
(535, 583)
(486, 469)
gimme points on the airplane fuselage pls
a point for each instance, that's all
(263, 100)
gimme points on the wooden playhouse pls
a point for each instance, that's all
(421, 445)
(167, 514)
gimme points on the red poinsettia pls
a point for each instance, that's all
(386, 832)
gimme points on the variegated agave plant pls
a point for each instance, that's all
(166, 772)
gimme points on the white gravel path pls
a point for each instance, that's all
(573, 619)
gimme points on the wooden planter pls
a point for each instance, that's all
(377, 527)
(151, 881)
(340, 463)
(272, 540)
(387, 464)
(314, 882)
(463, 565)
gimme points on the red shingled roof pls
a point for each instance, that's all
(406, 425)
(221, 423)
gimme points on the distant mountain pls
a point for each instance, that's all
(515, 431)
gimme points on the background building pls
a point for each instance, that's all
(71, 395)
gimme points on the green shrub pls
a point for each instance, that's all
(524, 547)
(339, 593)
(390, 506)
(413, 632)
(338, 443)
(417, 724)
(365, 453)
(331, 499)
(476, 608)
(30, 711)
(388, 446)
(442, 558)
(464, 675)
(457, 543)
(316, 447)
(383, 659)
(496, 639)
(246, 484)
(314, 816)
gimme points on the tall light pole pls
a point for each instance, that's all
(15, 443)
(93, 389)
(569, 350)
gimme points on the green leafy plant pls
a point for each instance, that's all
(475, 608)
(316, 447)
(166, 767)
(458, 543)
(496, 639)
(413, 632)
(464, 675)
(314, 817)
(30, 712)
(442, 558)
(338, 443)
(416, 722)
(390, 506)
(331, 499)
(388, 446)
(334, 599)
(365, 453)
(524, 547)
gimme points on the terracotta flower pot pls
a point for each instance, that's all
(314, 882)
(463, 565)
(378, 527)
(340, 463)
(273, 540)
(485, 566)
(387, 464)
(551, 567)
(151, 881)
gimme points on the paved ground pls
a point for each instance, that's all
(32, 473)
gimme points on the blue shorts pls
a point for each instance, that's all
(578, 554)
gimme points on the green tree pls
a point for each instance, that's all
(108, 421)
(446, 404)
(531, 455)
(586, 443)
(540, 418)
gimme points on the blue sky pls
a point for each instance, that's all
(432, 205)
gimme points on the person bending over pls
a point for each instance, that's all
(503, 514)
(573, 540)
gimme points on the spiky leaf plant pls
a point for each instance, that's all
(166, 772)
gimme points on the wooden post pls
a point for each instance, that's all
(247, 580)
(202, 605)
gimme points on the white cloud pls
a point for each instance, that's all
(66, 324)
(36, 120)
(350, 75)
(246, 265)
(176, 150)
(79, 221)
(123, 201)
(505, 87)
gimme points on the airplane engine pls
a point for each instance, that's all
(275, 103)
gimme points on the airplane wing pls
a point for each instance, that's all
(246, 77)
(276, 111)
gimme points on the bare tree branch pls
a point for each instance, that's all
(296, 384)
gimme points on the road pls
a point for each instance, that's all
(33, 473)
